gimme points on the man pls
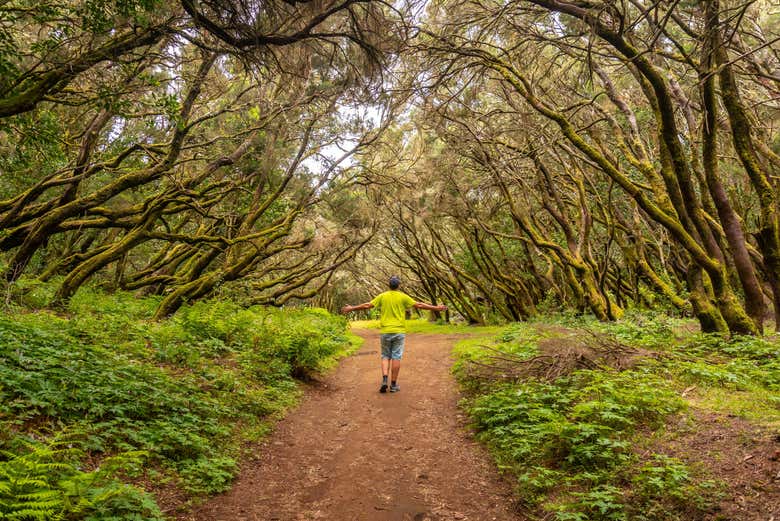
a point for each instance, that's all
(392, 323)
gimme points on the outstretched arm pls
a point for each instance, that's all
(349, 309)
(429, 307)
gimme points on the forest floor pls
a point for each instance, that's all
(349, 453)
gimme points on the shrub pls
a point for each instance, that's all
(570, 440)
(181, 394)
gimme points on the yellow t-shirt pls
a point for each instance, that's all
(392, 310)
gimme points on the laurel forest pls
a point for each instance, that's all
(190, 190)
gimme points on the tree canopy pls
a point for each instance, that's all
(506, 157)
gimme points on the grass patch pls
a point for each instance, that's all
(754, 405)
(740, 376)
(425, 326)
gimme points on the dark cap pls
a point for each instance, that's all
(395, 281)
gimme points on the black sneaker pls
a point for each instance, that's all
(394, 388)
(383, 388)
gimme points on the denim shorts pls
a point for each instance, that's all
(392, 345)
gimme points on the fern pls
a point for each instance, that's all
(27, 483)
(184, 390)
(43, 483)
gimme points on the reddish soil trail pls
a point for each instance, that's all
(349, 453)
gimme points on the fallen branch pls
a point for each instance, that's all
(558, 358)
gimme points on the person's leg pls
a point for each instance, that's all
(396, 370)
(397, 354)
(385, 367)
(386, 348)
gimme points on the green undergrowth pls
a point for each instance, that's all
(738, 376)
(583, 445)
(169, 402)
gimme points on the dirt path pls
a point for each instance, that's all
(351, 454)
